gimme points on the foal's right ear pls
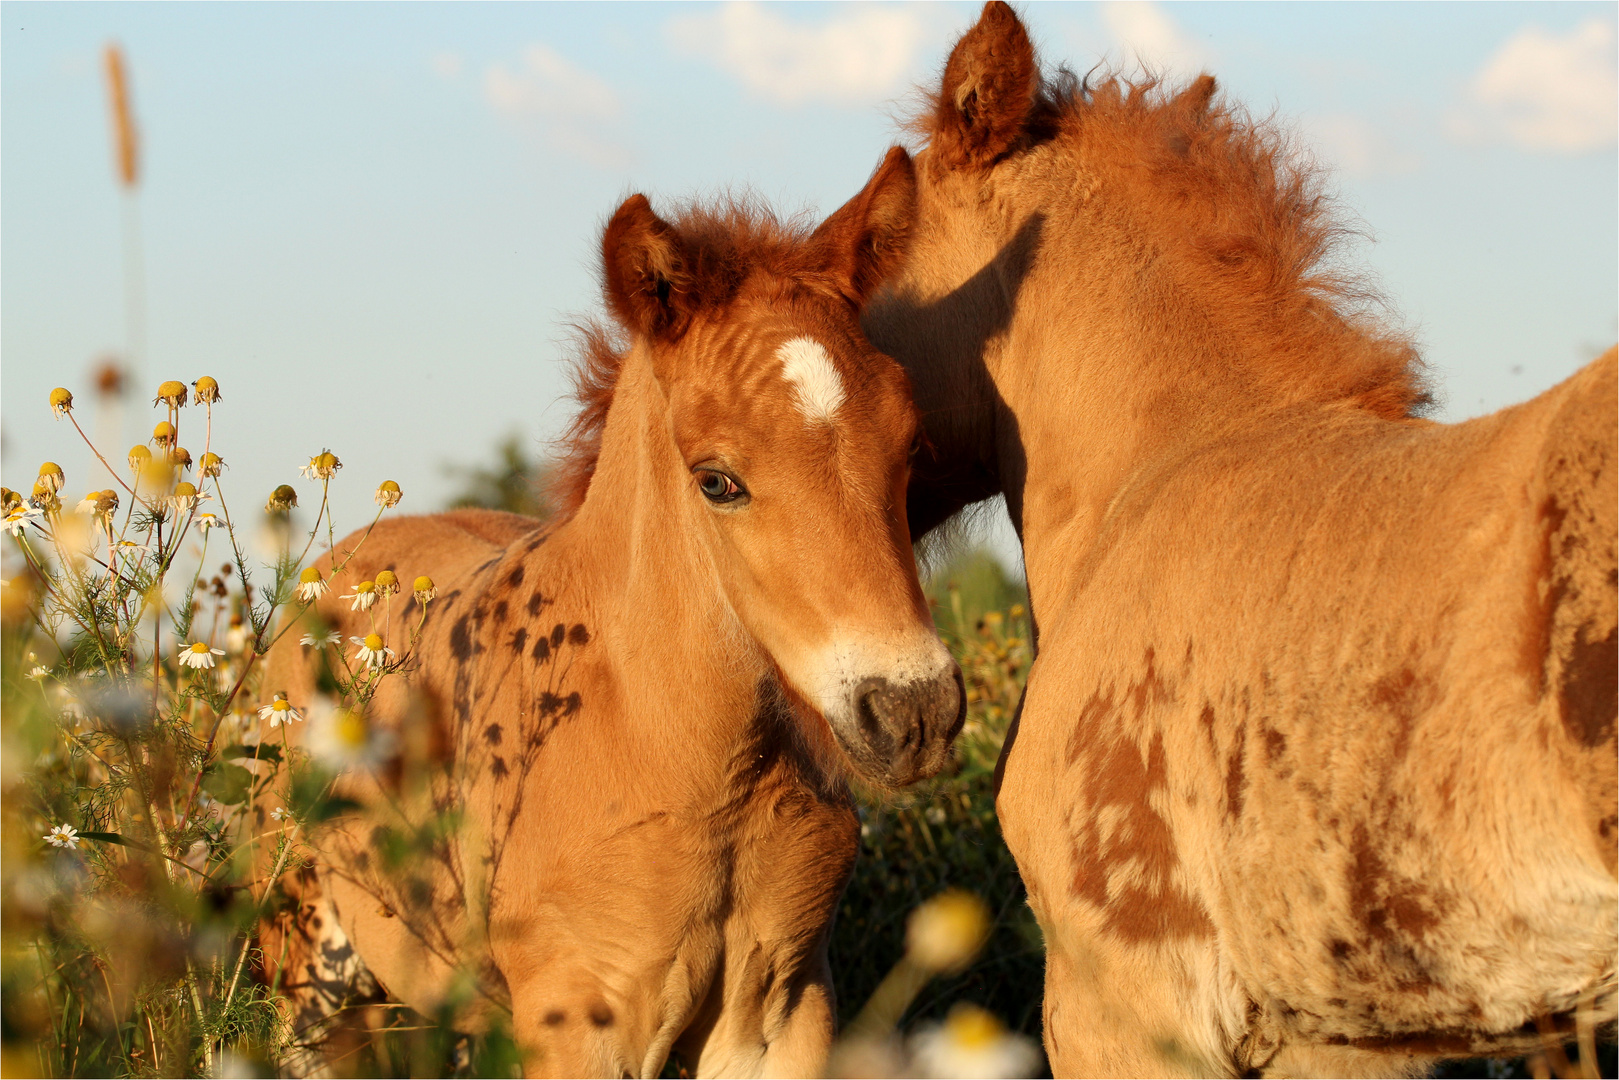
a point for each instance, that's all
(644, 271)
(990, 85)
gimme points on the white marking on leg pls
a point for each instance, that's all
(806, 365)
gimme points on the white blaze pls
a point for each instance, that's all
(806, 365)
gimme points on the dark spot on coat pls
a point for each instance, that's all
(536, 602)
(1234, 779)
(1275, 744)
(549, 703)
(500, 611)
(534, 544)
(1341, 950)
(555, 1017)
(1385, 903)
(542, 649)
(520, 639)
(578, 635)
(515, 578)
(498, 769)
(460, 639)
(1146, 904)
(1090, 716)
(493, 734)
(1590, 692)
(600, 1014)
(558, 632)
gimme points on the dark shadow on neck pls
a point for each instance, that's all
(973, 451)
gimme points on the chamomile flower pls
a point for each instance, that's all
(323, 466)
(281, 500)
(209, 521)
(280, 711)
(199, 655)
(21, 517)
(310, 585)
(50, 475)
(364, 595)
(207, 390)
(139, 455)
(38, 672)
(388, 494)
(172, 394)
(387, 583)
(372, 652)
(164, 435)
(180, 457)
(130, 548)
(9, 500)
(185, 496)
(63, 836)
(61, 402)
(211, 463)
(945, 933)
(316, 641)
(342, 738)
(280, 813)
(425, 589)
(973, 1043)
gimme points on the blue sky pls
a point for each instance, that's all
(373, 222)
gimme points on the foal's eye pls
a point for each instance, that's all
(717, 487)
(916, 446)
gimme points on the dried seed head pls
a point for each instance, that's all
(106, 502)
(281, 500)
(387, 583)
(181, 457)
(50, 474)
(138, 457)
(388, 494)
(172, 394)
(323, 466)
(207, 390)
(45, 497)
(9, 500)
(61, 401)
(212, 463)
(164, 434)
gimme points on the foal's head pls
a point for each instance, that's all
(792, 441)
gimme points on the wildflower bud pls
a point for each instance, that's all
(164, 434)
(172, 394)
(138, 457)
(945, 933)
(281, 500)
(181, 457)
(9, 500)
(388, 494)
(50, 474)
(425, 589)
(61, 401)
(207, 390)
(211, 464)
(387, 583)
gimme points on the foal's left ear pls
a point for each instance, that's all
(644, 272)
(865, 240)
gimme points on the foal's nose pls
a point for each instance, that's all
(909, 725)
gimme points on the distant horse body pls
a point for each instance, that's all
(646, 713)
(1315, 770)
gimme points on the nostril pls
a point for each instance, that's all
(868, 704)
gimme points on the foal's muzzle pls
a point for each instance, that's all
(900, 731)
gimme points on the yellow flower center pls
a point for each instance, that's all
(424, 583)
(972, 1028)
(281, 704)
(349, 729)
(373, 642)
(366, 586)
(199, 648)
(309, 575)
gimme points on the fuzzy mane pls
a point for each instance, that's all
(724, 242)
(1243, 216)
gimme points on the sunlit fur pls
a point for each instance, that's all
(1315, 772)
(620, 713)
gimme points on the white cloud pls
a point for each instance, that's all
(1358, 145)
(1147, 35)
(568, 104)
(856, 58)
(1546, 92)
